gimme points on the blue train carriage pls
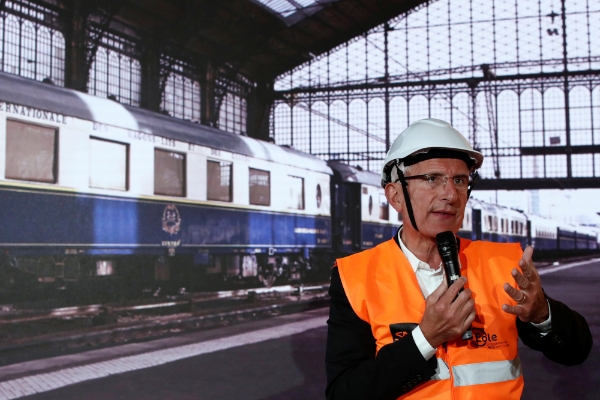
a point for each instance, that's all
(485, 221)
(495, 223)
(512, 226)
(542, 234)
(468, 226)
(566, 237)
(90, 188)
(587, 238)
(577, 239)
(361, 215)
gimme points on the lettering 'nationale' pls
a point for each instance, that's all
(31, 112)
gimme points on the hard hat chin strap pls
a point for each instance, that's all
(406, 198)
(474, 176)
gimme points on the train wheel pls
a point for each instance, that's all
(267, 280)
(46, 269)
(72, 268)
(266, 275)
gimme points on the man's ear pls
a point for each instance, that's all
(394, 195)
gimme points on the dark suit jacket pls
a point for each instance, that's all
(353, 371)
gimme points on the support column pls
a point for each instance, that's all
(75, 22)
(259, 105)
(151, 95)
(208, 115)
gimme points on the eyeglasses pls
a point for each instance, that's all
(439, 181)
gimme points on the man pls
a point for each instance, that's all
(395, 326)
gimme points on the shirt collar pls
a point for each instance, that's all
(414, 262)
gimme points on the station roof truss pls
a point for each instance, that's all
(261, 39)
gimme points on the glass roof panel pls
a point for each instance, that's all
(291, 11)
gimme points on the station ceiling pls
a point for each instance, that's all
(259, 38)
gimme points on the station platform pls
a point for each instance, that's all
(276, 358)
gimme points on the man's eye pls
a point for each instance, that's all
(432, 178)
(460, 181)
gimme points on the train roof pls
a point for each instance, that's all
(348, 173)
(537, 220)
(498, 209)
(48, 97)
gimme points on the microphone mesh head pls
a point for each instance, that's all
(445, 239)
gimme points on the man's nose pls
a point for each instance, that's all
(449, 190)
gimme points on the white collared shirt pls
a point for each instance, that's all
(429, 280)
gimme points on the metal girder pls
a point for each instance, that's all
(551, 150)
(502, 81)
(537, 183)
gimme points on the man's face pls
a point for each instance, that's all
(440, 208)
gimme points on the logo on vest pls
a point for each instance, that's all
(490, 340)
(401, 329)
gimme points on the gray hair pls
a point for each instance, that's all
(394, 171)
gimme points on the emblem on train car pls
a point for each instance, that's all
(171, 222)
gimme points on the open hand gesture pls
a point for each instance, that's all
(531, 301)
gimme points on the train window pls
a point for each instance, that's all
(260, 187)
(219, 180)
(370, 205)
(169, 173)
(319, 195)
(296, 199)
(31, 152)
(495, 224)
(488, 223)
(108, 164)
(384, 209)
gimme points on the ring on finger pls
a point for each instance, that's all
(522, 300)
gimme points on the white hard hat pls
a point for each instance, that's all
(424, 135)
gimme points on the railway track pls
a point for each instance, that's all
(31, 334)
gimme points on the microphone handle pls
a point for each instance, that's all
(452, 270)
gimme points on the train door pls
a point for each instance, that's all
(476, 225)
(346, 218)
(353, 231)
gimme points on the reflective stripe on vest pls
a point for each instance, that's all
(441, 372)
(487, 372)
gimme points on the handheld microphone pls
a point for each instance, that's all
(446, 244)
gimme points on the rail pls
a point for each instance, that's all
(12, 316)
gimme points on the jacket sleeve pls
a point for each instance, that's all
(570, 340)
(354, 371)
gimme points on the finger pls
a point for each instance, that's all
(521, 280)
(526, 262)
(515, 310)
(455, 288)
(514, 294)
(467, 308)
(471, 317)
(528, 254)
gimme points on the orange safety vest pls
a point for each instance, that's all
(382, 289)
